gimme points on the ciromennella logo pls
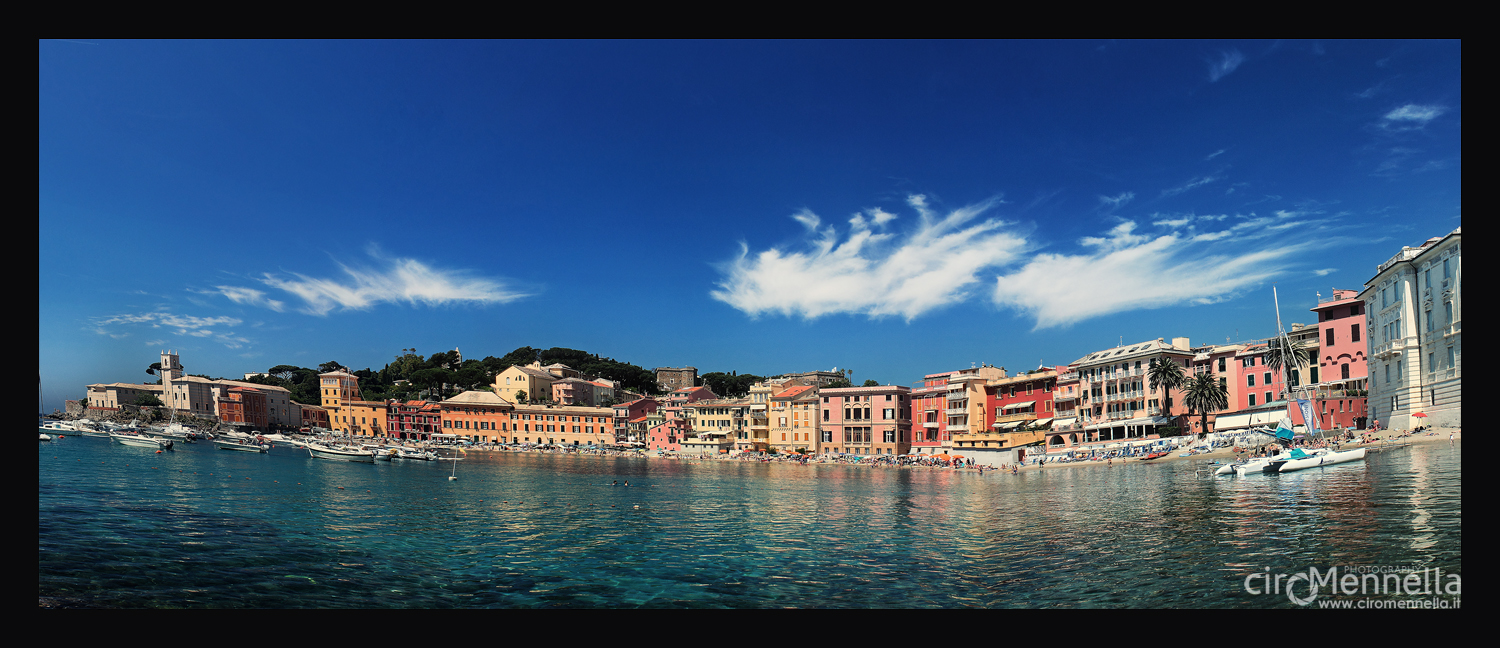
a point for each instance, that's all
(1436, 588)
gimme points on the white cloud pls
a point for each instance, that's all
(1190, 185)
(1126, 271)
(873, 273)
(250, 297)
(1215, 154)
(1414, 115)
(400, 280)
(1227, 63)
(1325, 271)
(1117, 201)
(118, 326)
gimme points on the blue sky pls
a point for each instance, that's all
(766, 207)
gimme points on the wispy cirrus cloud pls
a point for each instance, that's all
(1125, 270)
(212, 328)
(250, 297)
(394, 280)
(1189, 185)
(1117, 202)
(1411, 116)
(1227, 63)
(868, 269)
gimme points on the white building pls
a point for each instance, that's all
(1414, 310)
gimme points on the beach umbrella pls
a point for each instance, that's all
(1420, 415)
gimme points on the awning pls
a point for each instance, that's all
(1062, 422)
(1019, 405)
(1238, 421)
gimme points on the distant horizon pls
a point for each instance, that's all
(899, 208)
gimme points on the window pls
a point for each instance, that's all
(1330, 338)
(1268, 397)
(1252, 400)
(1345, 369)
(1249, 380)
(1268, 379)
(1221, 364)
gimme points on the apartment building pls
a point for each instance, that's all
(1415, 302)
(865, 420)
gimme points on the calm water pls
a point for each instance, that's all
(199, 527)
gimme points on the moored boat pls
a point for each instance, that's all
(1324, 459)
(142, 441)
(340, 454)
(241, 446)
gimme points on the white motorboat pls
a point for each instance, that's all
(241, 446)
(44, 437)
(340, 454)
(57, 427)
(414, 455)
(142, 441)
(1323, 459)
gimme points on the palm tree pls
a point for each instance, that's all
(1205, 395)
(1284, 354)
(1165, 375)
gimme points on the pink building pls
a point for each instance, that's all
(866, 420)
(1341, 375)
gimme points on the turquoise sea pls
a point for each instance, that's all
(198, 527)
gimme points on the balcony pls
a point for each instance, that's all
(958, 411)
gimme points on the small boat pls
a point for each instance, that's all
(1154, 455)
(414, 455)
(1323, 459)
(142, 441)
(340, 454)
(44, 437)
(241, 446)
(57, 427)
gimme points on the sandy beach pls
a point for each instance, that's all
(1385, 437)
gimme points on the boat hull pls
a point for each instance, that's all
(1327, 459)
(141, 441)
(240, 447)
(331, 454)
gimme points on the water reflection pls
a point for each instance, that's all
(525, 530)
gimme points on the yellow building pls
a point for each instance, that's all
(339, 391)
(534, 382)
(794, 420)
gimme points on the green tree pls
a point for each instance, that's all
(1205, 395)
(1284, 355)
(148, 400)
(1166, 375)
(872, 383)
(520, 395)
(284, 372)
